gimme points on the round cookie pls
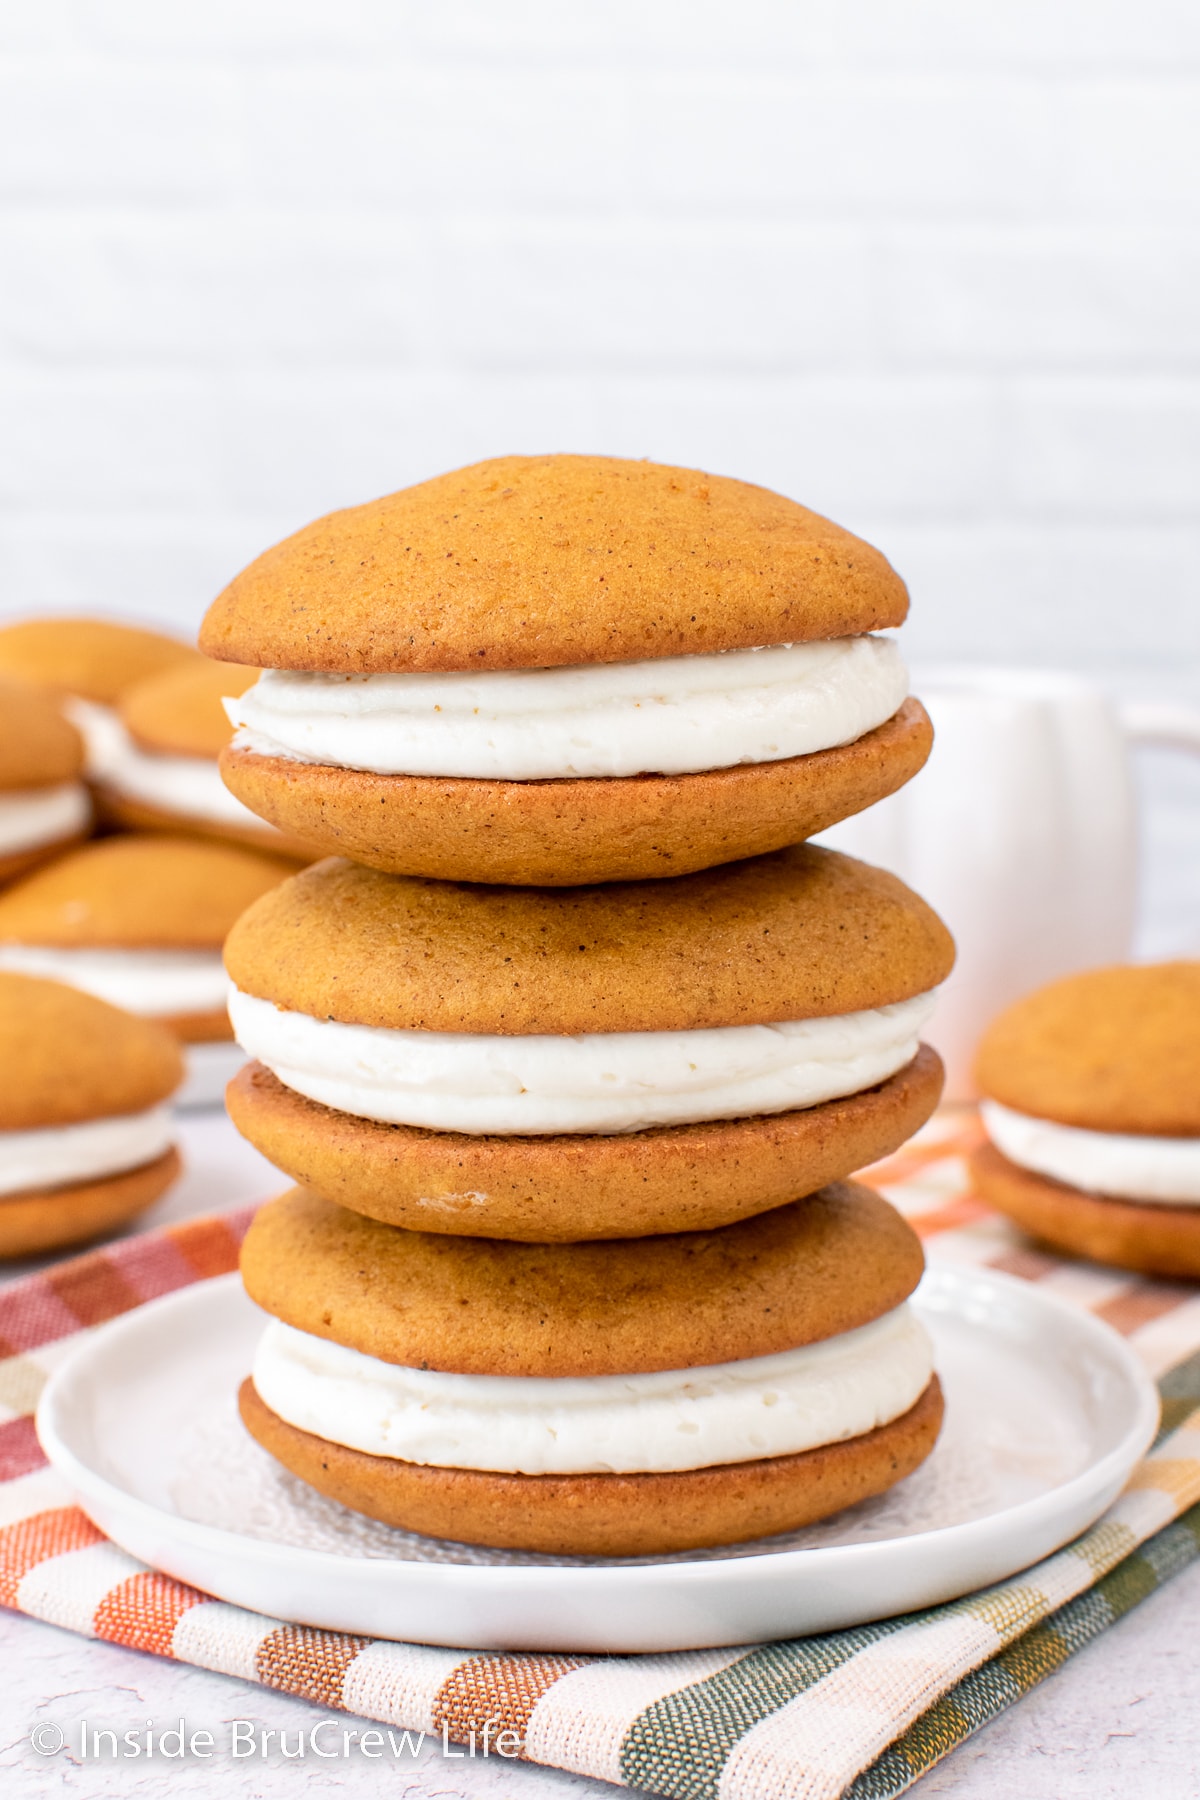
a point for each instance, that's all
(804, 933)
(139, 894)
(67, 1057)
(566, 1189)
(43, 805)
(543, 561)
(793, 1276)
(1114, 1049)
(178, 713)
(1128, 1234)
(67, 1060)
(96, 659)
(606, 1515)
(38, 746)
(568, 832)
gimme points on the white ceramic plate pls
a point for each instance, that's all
(1047, 1412)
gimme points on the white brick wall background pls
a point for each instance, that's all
(930, 266)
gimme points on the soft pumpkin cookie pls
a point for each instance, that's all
(1092, 1105)
(567, 669)
(44, 805)
(474, 1306)
(590, 1062)
(138, 921)
(161, 773)
(85, 1131)
(606, 1398)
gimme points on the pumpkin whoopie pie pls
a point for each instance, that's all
(138, 921)
(44, 805)
(558, 670)
(611, 1399)
(91, 663)
(85, 1128)
(1092, 1108)
(161, 773)
(570, 1063)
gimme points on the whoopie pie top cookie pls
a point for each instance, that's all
(67, 1057)
(132, 892)
(798, 1275)
(1112, 1050)
(805, 933)
(38, 746)
(138, 921)
(527, 562)
(95, 659)
(179, 712)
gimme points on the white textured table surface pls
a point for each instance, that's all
(1118, 1722)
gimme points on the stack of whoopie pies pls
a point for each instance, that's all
(573, 1042)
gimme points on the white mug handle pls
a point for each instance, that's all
(1161, 722)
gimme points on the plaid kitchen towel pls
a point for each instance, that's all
(862, 1712)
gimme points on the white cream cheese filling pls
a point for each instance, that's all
(599, 1424)
(102, 732)
(31, 817)
(1159, 1170)
(673, 716)
(154, 983)
(606, 1082)
(190, 786)
(84, 1152)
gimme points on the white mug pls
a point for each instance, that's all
(1021, 832)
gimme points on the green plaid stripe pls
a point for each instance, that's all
(1180, 1391)
(710, 1717)
(987, 1691)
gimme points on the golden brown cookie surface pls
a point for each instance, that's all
(94, 658)
(138, 893)
(563, 833)
(178, 712)
(481, 1306)
(606, 1515)
(1114, 1049)
(20, 862)
(563, 1189)
(543, 561)
(54, 1218)
(804, 933)
(66, 1057)
(1153, 1240)
(38, 746)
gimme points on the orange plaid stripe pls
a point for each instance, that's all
(143, 1612)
